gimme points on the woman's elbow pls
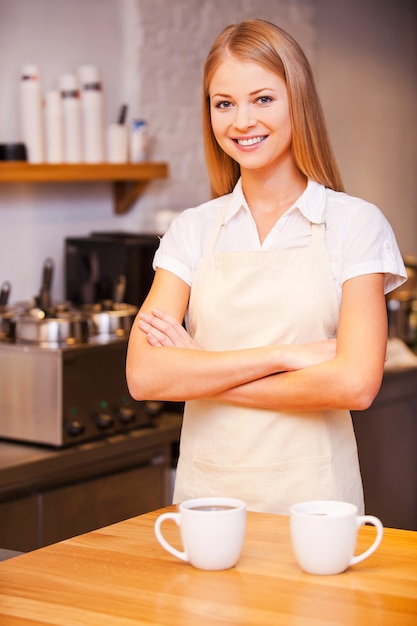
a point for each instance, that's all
(135, 388)
(138, 380)
(361, 391)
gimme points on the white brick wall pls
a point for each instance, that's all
(174, 41)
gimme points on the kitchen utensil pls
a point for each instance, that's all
(7, 325)
(402, 318)
(5, 293)
(7, 316)
(43, 301)
(111, 318)
(122, 114)
(120, 290)
(70, 329)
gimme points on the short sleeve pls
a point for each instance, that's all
(370, 246)
(174, 253)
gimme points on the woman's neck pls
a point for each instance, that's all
(270, 196)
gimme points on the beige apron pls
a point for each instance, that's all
(270, 459)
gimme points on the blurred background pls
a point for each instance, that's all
(150, 55)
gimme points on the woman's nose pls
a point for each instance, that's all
(244, 118)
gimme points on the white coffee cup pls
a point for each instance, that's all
(212, 532)
(324, 533)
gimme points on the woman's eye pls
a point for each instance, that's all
(265, 99)
(224, 104)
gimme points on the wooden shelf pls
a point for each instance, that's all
(129, 179)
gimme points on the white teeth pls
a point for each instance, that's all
(249, 142)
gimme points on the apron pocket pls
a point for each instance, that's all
(269, 488)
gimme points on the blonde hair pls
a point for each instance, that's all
(275, 50)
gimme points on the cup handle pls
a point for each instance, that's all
(164, 543)
(370, 519)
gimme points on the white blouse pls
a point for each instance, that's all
(359, 239)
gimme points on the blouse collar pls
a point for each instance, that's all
(311, 203)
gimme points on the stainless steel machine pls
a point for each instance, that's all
(62, 366)
(59, 395)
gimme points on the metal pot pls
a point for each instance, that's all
(402, 306)
(7, 324)
(5, 293)
(7, 315)
(67, 330)
(402, 317)
(116, 321)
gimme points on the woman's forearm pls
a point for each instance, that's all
(176, 373)
(165, 363)
(324, 386)
(179, 374)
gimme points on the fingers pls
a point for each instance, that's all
(164, 330)
(158, 323)
(170, 325)
(180, 337)
(154, 337)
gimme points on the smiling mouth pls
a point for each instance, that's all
(251, 141)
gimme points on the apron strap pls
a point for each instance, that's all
(318, 232)
(217, 228)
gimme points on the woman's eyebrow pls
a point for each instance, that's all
(252, 93)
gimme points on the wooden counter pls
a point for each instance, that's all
(121, 576)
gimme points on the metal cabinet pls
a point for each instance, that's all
(19, 524)
(49, 495)
(80, 507)
(387, 445)
(73, 508)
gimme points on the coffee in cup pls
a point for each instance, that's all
(324, 533)
(212, 532)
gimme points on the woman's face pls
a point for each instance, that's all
(250, 114)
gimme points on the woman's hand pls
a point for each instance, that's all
(163, 330)
(279, 377)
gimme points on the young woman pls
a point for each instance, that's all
(281, 280)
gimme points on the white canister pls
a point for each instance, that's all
(92, 107)
(71, 109)
(117, 143)
(54, 130)
(31, 113)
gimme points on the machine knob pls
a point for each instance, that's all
(74, 428)
(126, 414)
(103, 419)
(153, 408)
